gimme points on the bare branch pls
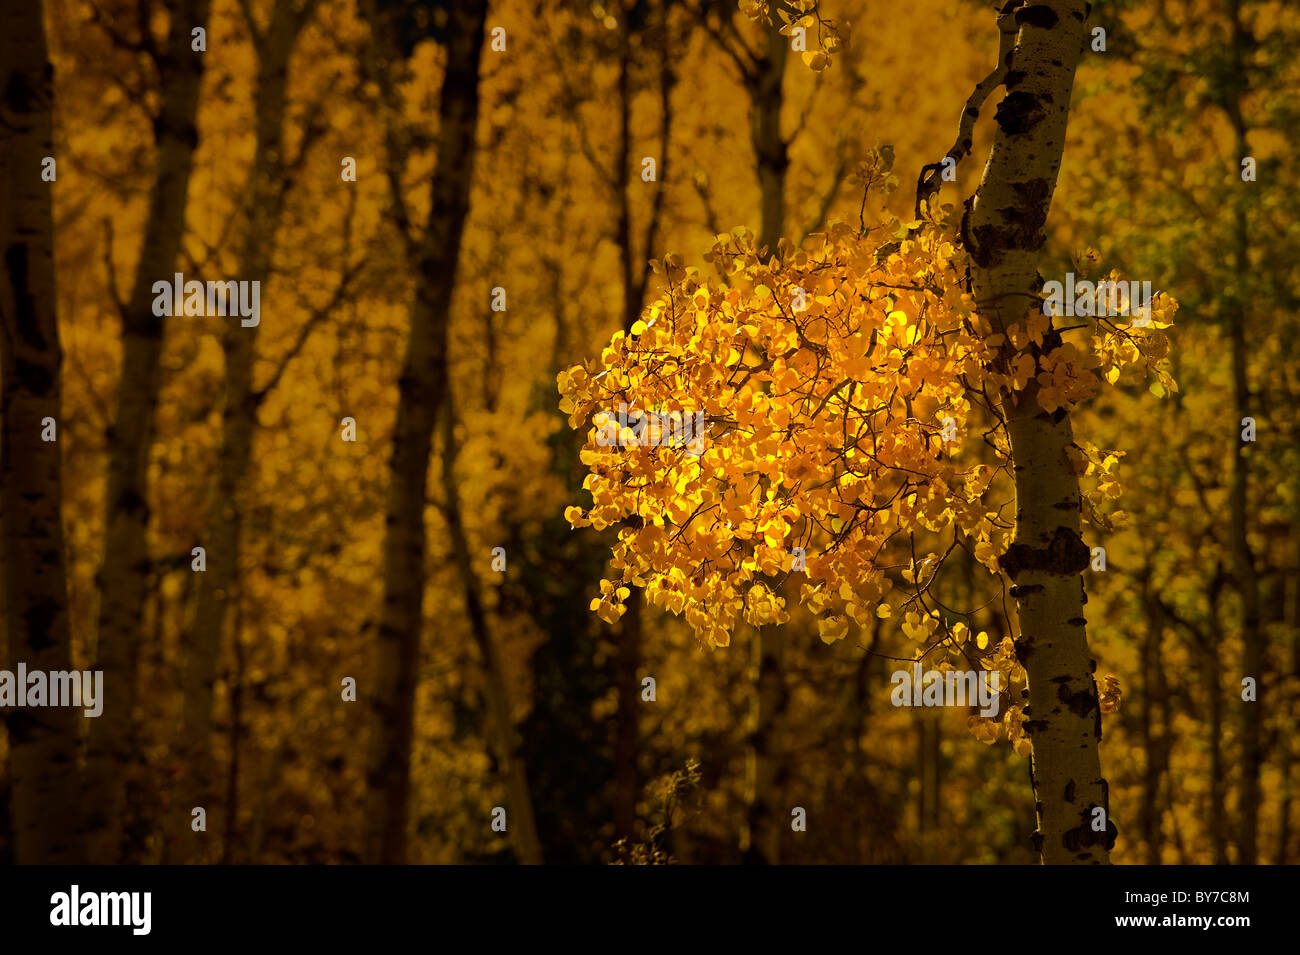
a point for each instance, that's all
(828, 199)
(318, 315)
(745, 60)
(667, 81)
(257, 34)
(931, 177)
(143, 44)
(114, 294)
(572, 101)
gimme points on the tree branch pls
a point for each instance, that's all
(931, 177)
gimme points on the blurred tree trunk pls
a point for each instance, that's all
(44, 808)
(1155, 707)
(1211, 666)
(124, 572)
(627, 776)
(236, 737)
(1149, 814)
(1245, 575)
(202, 638)
(863, 681)
(762, 73)
(1047, 557)
(521, 820)
(762, 818)
(1290, 707)
(422, 388)
(927, 795)
(765, 825)
(767, 96)
(1214, 690)
(635, 274)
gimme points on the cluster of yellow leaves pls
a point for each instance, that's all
(823, 37)
(962, 651)
(1064, 372)
(1099, 469)
(834, 385)
(1013, 717)
(1138, 341)
(824, 381)
(875, 171)
(965, 651)
(1002, 659)
(1012, 724)
(610, 605)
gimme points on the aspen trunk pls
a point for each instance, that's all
(1047, 556)
(421, 391)
(202, 639)
(124, 572)
(46, 820)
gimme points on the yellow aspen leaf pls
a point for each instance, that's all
(816, 60)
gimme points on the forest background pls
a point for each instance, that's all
(500, 185)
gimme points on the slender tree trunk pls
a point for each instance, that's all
(124, 572)
(1214, 694)
(422, 388)
(763, 816)
(927, 794)
(1244, 573)
(767, 95)
(520, 820)
(1047, 556)
(635, 274)
(763, 819)
(202, 638)
(44, 807)
(860, 721)
(236, 737)
(1287, 738)
(1247, 583)
(1150, 811)
(1167, 743)
(627, 775)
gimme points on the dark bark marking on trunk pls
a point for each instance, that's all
(1066, 555)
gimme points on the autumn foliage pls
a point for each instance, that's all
(852, 394)
(649, 614)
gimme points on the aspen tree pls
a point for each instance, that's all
(123, 575)
(45, 811)
(422, 389)
(1047, 556)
